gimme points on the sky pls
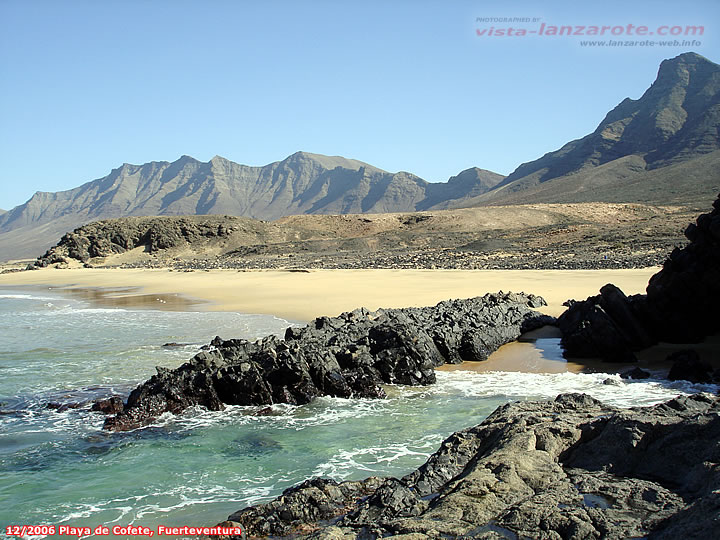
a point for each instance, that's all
(422, 86)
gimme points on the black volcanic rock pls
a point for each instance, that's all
(105, 238)
(688, 366)
(570, 468)
(635, 373)
(111, 405)
(680, 305)
(604, 326)
(682, 298)
(347, 356)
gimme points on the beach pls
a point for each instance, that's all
(65, 344)
(303, 295)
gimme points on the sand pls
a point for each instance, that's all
(302, 296)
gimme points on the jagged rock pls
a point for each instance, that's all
(635, 373)
(570, 468)
(352, 355)
(683, 296)
(312, 501)
(62, 407)
(111, 405)
(604, 326)
(680, 305)
(688, 366)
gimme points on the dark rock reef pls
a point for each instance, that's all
(680, 305)
(347, 356)
(570, 468)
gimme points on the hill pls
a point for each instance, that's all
(589, 235)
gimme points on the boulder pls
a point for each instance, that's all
(635, 373)
(111, 405)
(688, 366)
(679, 307)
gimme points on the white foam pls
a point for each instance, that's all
(374, 459)
(608, 388)
(26, 297)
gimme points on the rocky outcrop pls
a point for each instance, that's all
(682, 298)
(352, 355)
(570, 468)
(687, 366)
(604, 326)
(680, 305)
(105, 238)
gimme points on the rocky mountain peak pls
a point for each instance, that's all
(680, 69)
(677, 118)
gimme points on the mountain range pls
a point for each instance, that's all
(303, 183)
(663, 147)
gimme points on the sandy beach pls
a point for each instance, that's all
(301, 296)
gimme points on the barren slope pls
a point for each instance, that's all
(580, 235)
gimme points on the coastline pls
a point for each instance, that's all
(302, 296)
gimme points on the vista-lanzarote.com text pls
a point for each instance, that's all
(515, 27)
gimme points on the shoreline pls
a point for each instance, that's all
(303, 296)
(299, 297)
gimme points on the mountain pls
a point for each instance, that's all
(624, 180)
(303, 183)
(677, 120)
(465, 185)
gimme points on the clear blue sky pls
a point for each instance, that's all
(404, 85)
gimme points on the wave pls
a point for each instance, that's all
(608, 388)
(26, 297)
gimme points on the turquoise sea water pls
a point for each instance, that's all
(195, 469)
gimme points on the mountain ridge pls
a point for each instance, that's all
(302, 183)
(305, 182)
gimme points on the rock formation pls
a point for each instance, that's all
(347, 356)
(570, 468)
(110, 237)
(680, 305)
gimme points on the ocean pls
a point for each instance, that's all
(58, 467)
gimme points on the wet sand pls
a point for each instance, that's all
(302, 296)
(540, 352)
